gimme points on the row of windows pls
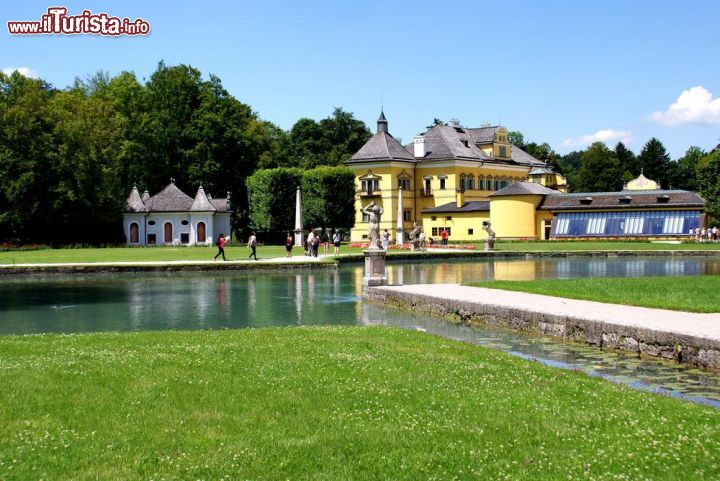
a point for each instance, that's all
(626, 223)
(466, 183)
(407, 216)
(134, 233)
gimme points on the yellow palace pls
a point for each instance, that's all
(456, 178)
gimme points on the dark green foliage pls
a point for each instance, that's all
(683, 174)
(327, 196)
(708, 179)
(628, 162)
(328, 142)
(601, 170)
(271, 193)
(68, 158)
(655, 162)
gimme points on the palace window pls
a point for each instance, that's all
(462, 182)
(442, 183)
(448, 217)
(407, 215)
(435, 231)
(471, 183)
(481, 183)
(365, 217)
(403, 184)
(503, 151)
(370, 185)
(470, 232)
(433, 217)
(626, 223)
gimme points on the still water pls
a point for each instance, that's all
(135, 302)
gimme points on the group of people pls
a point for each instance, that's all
(222, 240)
(709, 234)
(316, 239)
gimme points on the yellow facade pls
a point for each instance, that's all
(514, 216)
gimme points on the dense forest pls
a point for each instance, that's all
(69, 157)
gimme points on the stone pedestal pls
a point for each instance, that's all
(299, 238)
(490, 244)
(375, 274)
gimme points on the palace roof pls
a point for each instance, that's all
(481, 206)
(381, 146)
(657, 199)
(524, 188)
(172, 199)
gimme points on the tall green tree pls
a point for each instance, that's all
(655, 162)
(683, 173)
(516, 138)
(600, 171)
(628, 162)
(708, 181)
(27, 155)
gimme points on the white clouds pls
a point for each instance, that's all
(694, 106)
(24, 71)
(605, 135)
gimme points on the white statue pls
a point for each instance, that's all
(374, 212)
(490, 241)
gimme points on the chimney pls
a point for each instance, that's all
(460, 197)
(419, 146)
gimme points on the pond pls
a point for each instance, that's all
(136, 302)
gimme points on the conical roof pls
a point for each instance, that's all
(382, 146)
(134, 203)
(201, 202)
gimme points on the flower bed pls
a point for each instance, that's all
(406, 247)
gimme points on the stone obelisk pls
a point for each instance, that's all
(400, 232)
(298, 220)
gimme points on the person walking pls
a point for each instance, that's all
(252, 244)
(315, 245)
(385, 239)
(289, 245)
(336, 243)
(221, 247)
(444, 238)
(309, 243)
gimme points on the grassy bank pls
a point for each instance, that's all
(327, 403)
(683, 293)
(162, 253)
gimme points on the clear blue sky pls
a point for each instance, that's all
(558, 71)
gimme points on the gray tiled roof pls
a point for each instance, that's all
(484, 135)
(170, 199)
(522, 157)
(446, 142)
(480, 206)
(134, 203)
(523, 188)
(631, 198)
(201, 203)
(221, 205)
(381, 146)
(541, 170)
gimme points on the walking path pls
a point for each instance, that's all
(656, 332)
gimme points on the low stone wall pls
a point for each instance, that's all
(687, 349)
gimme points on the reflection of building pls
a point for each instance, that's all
(456, 178)
(171, 217)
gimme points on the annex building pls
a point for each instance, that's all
(456, 178)
(173, 217)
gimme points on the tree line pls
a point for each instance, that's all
(69, 157)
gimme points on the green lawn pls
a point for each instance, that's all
(161, 253)
(681, 293)
(327, 403)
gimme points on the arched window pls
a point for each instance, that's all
(168, 233)
(134, 233)
(462, 182)
(471, 182)
(481, 182)
(201, 232)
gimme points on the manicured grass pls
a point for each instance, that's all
(327, 403)
(681, 293)
(162, 253)
(141, 254)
